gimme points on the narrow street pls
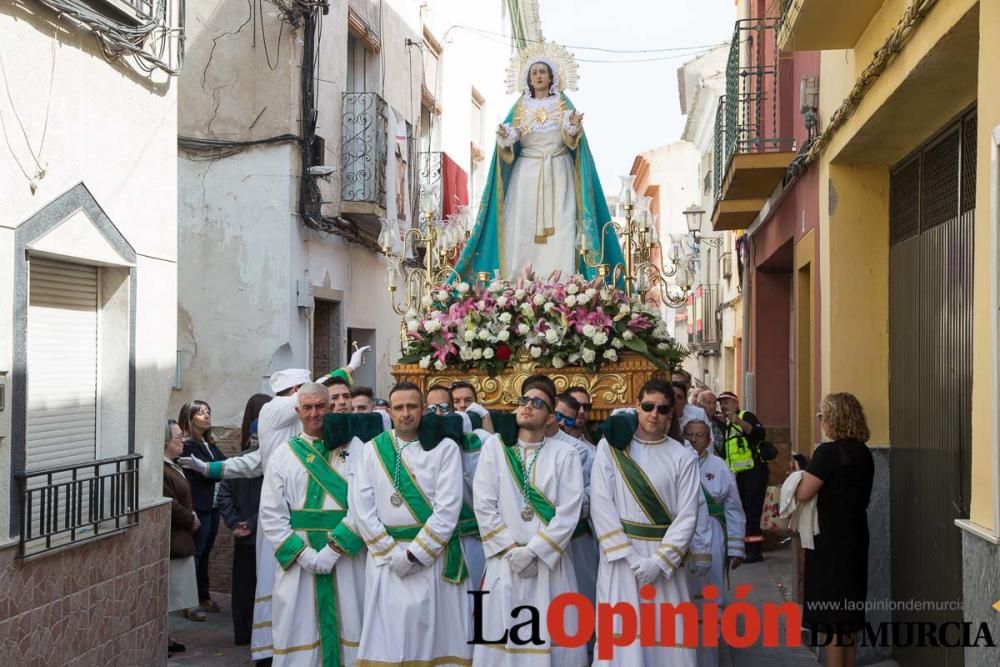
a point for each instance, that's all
(211, 643)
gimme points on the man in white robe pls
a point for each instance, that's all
(276, 424)
(441, 402)
(528, 497)
(645, 542)
(406, 497)
(318, 592)
(728, 524)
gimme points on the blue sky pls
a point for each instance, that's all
(632, 107)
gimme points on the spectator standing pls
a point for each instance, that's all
(840, 473)
(195, 420)
(182, 591)
(362, 399)
(741, 449)
(710, 404)
(239, 502)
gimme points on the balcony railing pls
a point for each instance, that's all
(429, 175)
(76, 503)
(706, 325)
(365, 141)
(747, 116)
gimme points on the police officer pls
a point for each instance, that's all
(741, 451)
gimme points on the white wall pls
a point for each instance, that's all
(114, 131)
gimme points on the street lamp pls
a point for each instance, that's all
(694, 215)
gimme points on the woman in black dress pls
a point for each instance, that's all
(836, 576)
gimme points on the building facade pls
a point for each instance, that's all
(87, 328)
(872, 251)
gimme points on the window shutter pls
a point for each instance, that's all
(62, 363)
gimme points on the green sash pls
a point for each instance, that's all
(467, 525)
(455, 570)
(644, 493)
(715, 509)
(543, 507)
(471, 443)
(318, 525)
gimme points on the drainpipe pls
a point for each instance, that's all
(749, 397)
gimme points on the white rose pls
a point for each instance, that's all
(519, 294)
(536, 352)
(465, 353)
(552, 336)
(523, 328)
(496, 286)
(439, 365)
(425, 362)
(570, 300)
(624, 310)
(548, 306)
(488, 353)
(484, 334)
(574, 357)
(588, 355)
(589, 330)
(477, 353)
(411, 314)
(611, 355)
(617, 343)
(628, 335)
(462, 288)
(442, 295)
(526, 309)
(505, 318)
(413, 325)
(538, 299)
(572, 288)
(600, 338)
(590, 293)
(469, 335)
(502, 301)
(427, 300)
(503, 336)
(432, 326)
(558, 362)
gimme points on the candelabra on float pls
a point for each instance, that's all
(642, 269)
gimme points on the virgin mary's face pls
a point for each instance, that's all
(539, 77)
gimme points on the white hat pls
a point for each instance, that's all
(288, 378)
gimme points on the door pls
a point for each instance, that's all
(931, 222)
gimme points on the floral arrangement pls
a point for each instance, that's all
(560, 321)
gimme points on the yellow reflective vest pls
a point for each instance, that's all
(739, 456)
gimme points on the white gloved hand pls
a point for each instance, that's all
(399, 563)
(307, 560)
(192, 463)
(358, 358)
(325, 560)
(633, 559)
(647, 570)
(477, 409)
(520, 559)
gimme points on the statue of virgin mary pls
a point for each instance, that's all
(542, 192)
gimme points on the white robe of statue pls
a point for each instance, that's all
(672, 470)
(539, 207)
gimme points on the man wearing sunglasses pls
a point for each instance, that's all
(645, 505)
(580, 429)
(528, 496)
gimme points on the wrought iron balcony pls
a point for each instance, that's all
(364, 154)
(707, 325)
(430, 167)
(751, 156)
(77, 503)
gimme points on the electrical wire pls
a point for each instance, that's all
(589, 48)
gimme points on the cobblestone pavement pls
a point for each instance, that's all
(210, 643)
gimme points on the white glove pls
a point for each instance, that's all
(477, 409)
(646, 570)
(307, 560)
(633, 560)
(325, 560)
(399, 563)
(192, 463)
(358, 358)
(522, 561)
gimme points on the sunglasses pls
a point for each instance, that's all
(439, 408)
(663, 409)
(586, 406)
(535, 402)
(564, 420)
